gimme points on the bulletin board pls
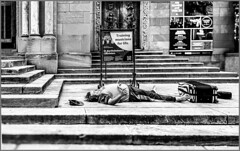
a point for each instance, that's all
(191, 26)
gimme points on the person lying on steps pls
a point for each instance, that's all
(117, 93)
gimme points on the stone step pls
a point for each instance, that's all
(16, 70)
(49, 99)
(149, 70)
(168, 114)
(96, 53)
(200, 135)
(162, 60)
(38, 86)
(152, 80)
(22, 78)
(35, 87)
(12, 63)
(144, 65)
(155, 74)
(12, 57)
(26, 146)
(138, 56)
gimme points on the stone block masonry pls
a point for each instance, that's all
(159, 26)
(74, 26)
(223, 25)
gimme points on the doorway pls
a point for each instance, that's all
(122, 15)
(8, 25)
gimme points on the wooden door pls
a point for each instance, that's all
(122, 15)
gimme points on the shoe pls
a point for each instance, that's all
(75, 103)
(154, 89)
(183, 98)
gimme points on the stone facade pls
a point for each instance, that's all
(74, 26)
(159, 26)
(223, 25)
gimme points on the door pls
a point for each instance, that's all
(8, 24)
(122, 15)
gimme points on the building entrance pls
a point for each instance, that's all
(8, 25)
(122, 15)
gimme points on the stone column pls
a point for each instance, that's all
(42, 48)
(23, 39)
(49, 39)
(48, 17)
(34, 18)
(49, 61)
(24, 18)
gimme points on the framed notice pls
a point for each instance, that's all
(176, 8)
(117, 45)
(180, 39)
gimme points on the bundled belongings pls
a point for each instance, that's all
(224, 95)
(199, 92)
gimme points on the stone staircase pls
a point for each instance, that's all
(24, 86)
(32, 117)
(151, 67)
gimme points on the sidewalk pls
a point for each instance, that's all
(78, 92)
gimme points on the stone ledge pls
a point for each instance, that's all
(123, 134)
(121, 115)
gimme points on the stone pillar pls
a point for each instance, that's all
(34, 18)
(45, 58)
(23, 39)
(25, 18)
(34, 42)
(48, 17)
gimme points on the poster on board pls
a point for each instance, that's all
(180, 39)
(176, 8)
(117, 45)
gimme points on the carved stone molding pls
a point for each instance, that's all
(97, 22)
(144, 24)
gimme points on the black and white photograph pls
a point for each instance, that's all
(119, 75)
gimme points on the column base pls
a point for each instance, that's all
(22, 44)
(47, 62)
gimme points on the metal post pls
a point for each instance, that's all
(101, 58)
(134, 64)
(105, 70)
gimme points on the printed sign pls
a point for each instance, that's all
(201, 45)
(207, 22)
(117, 45)
(180, 39)
(176, 8)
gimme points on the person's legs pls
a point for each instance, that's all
(151, 94)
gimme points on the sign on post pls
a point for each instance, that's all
(117, 45)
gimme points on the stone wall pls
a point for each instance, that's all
(232, 62)
(223, 27)
(73, 33)
(159, 26)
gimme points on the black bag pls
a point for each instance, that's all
(224, 95)
(199, 92)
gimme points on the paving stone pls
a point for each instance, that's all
(16, 70)
(43, 116)
(39, 85)
(12, 63)
(111, 147)
(12, 88)
(23, 78)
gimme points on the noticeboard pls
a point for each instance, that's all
(191, 25)
(117, 45)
